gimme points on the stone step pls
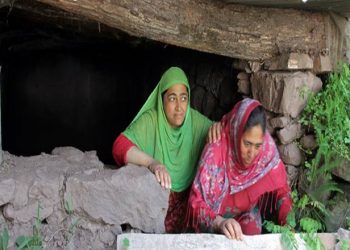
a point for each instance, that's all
(131, 241)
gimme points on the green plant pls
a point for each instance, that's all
(308, 228)
(33, 242)
(287, 231)
(68, 205)
(4, 239)
(328, 113)
(316, 185)
(345, 244)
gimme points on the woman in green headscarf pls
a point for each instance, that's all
(167, 136)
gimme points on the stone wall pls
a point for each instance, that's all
(82, 205)
(283, 85)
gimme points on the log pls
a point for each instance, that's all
(237, 31)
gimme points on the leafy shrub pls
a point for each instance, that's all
(328, 113)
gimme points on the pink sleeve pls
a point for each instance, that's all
(202, 200)
(199, 217)
(121, 146)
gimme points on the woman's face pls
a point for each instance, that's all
(175, 102)
(251, 142)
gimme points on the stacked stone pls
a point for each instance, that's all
(283, 85)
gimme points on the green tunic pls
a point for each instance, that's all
(177, 148)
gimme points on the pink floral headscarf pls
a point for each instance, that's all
(221, 168)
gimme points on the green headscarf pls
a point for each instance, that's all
(177, 148)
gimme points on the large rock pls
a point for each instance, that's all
(280, 122)
(290, 133)
(7, 189)
(343, 170)
(130, 195)
(212, 241)
(290, 154)
(290, 61)
(35, 185)
(322, 64)
(308, 142)
(284, 93)
(339, 210)
(343, 239)
(32, 185)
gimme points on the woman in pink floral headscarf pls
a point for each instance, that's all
(239, 177)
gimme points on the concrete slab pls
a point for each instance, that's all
(200, 241)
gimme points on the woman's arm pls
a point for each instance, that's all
(140, 158)
(125, 151)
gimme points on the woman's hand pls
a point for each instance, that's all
(140, 158)
(230, 227)
(161, 174)
(214, 132)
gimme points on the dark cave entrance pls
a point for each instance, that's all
(60, 87)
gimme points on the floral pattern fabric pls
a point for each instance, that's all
(224, 186)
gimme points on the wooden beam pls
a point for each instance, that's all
(210, 26)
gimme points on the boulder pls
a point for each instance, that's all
(7, 190)
(290, 61)
(322, 64)
(290, 154)
(343, 239)
(71, 185)
(284, 93)
(280, 122)
(343, 170)
(308, 142)
(339, 210)
(130, 195)
(290, 133)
